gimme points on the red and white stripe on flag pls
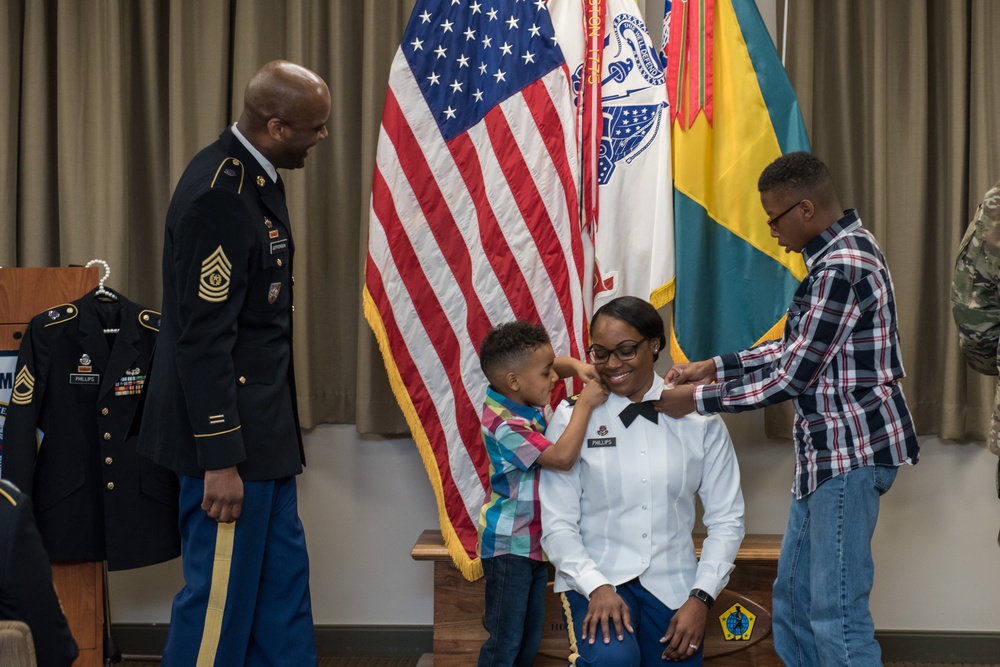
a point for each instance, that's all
(474, 222)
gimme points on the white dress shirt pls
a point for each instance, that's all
(626, 509)
(264, 162)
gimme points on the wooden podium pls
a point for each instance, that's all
(80, 585)
(738, 632)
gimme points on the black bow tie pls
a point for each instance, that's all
(633, 410)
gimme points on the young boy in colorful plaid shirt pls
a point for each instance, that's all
(522, 370)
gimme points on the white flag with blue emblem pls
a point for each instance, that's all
(632, 232)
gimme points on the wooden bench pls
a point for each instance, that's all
(745, 605)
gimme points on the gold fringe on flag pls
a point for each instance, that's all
(471, 569)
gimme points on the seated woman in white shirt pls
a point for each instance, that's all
(617, 526)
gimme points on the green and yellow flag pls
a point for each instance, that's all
(733, 112)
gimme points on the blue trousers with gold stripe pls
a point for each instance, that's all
(245, 599)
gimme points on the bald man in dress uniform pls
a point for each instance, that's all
(221, 410)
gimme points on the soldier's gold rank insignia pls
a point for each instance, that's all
(24, 387)
(216, 270)
(260, 181)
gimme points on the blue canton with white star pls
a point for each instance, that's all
(470, 55)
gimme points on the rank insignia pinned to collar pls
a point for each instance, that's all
(260, 181)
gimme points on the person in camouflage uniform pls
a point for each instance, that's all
(975, 297)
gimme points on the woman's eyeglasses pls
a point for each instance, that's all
(625, 352)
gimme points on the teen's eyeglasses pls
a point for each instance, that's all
(771, 221)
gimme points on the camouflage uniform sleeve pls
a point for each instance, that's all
(975, 298)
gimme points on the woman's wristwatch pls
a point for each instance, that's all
(703, 596)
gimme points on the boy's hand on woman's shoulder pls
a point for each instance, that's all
(594, 393)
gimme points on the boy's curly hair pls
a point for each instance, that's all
(508, 345)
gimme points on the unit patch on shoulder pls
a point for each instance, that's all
(216, 270)
(24, 387)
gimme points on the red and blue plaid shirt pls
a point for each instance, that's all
(510, 521)
(838, 359)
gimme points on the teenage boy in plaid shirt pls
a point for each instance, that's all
(839, 361)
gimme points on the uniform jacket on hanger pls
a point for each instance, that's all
(95, 498)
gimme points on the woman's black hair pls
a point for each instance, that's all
(638, 314)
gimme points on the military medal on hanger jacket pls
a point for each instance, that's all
(95, 498)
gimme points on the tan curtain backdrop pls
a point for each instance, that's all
(104, 102)
(900, 99)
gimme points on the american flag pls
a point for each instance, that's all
(474, 222)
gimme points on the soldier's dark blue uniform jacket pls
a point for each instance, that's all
(26, 592)
(95, 498)
(222, 389)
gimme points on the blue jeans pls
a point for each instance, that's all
(650, 619)
(515, 610)
(825, 573)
